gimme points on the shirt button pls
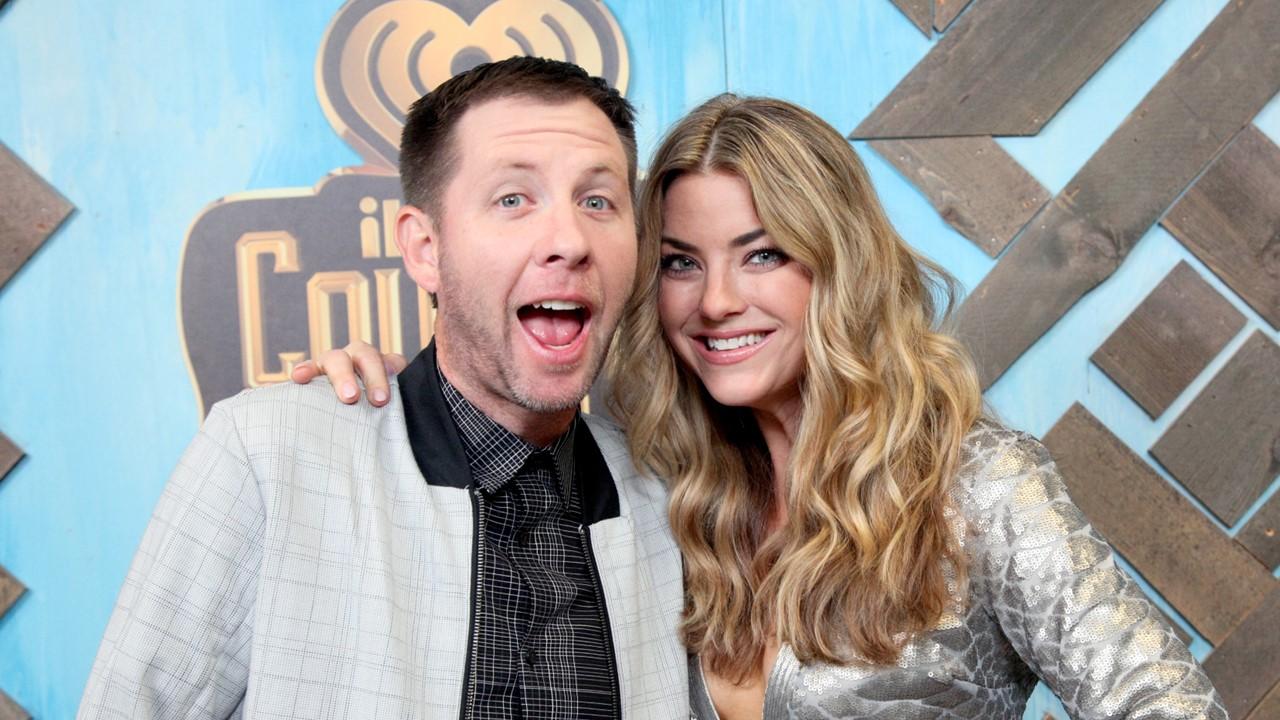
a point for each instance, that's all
(530, 656)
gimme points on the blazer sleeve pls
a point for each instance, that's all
(177, 644)
(1076, 619)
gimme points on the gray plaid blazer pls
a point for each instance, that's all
(299, 565)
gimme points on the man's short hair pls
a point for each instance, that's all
(428, 157)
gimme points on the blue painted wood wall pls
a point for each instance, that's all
(141, 113)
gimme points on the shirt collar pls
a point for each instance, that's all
(494, 453)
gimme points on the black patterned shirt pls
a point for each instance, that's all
(539, 632)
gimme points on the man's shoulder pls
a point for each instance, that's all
(313, 408)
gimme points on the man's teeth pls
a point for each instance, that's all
(557, 305)
(733, 343)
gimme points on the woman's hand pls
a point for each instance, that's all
(343, 365)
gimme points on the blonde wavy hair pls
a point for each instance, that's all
(861, 562)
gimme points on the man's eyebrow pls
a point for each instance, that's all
(604, 169)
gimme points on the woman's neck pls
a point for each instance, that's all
(778, 425)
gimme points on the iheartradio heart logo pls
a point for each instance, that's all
(378, 56)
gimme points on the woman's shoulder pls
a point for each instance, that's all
(1000, 466)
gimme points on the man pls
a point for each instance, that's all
(474, 549)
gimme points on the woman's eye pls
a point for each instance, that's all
(514, 200)
(677, 264)
(598, 203)
(766, 257)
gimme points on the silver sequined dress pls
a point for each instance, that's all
(1044, 600)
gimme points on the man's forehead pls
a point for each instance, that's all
(519, 123)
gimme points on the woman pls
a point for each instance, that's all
(859, 540)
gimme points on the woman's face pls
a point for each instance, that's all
(732, 304)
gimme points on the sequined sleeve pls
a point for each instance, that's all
(1080, 623)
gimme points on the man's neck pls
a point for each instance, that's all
(539, 429)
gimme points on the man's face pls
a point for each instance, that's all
(536, 252)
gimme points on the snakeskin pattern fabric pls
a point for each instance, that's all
(1044, 600)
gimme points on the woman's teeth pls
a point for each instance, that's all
(733, 343)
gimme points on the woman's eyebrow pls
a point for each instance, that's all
(747, 238)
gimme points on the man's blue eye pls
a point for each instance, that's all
(511, 201)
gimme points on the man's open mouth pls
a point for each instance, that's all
(554, 323)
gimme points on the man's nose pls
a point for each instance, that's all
(721, 296)
(566, 238)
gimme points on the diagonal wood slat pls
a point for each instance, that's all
(1175, 547)
(1231, 220)
(10, 710)
(1081, 237)
(946, 11)
(1005, 68)
(919, 12)
(1261, 535)
(977, 187)
(1246, 665)
(1171, 336)
(10, 454)
(1269, 708)
(30, 210)
(10, 590)
(1225, 447)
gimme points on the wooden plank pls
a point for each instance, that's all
(1225, 447)
(10, 710)
(1246, 665)
(10, 590)
(946, 11)
(1231, 220)
(1081, 237)
(1261, 535)
(1211, 581)
(30, 210)
(1005, 68)
(1269, 708)
(10, 454)
(919, 12)
(1169, 339)
(973, 183)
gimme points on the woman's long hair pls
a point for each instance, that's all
(862, 561)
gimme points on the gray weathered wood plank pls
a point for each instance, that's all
(10, 590)
(919, 12)
(30, 210)
(1231, 220)
(1005, 68)
(1261, 535)
(1169, 339)
(1080, 238)
(1225, 447)
(973, 183)
(1246, 665)
(1269, 708)
(1175, 547)
(10, 454)
(11, 710)
(946, 11)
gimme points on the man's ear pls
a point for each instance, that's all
(419, 243)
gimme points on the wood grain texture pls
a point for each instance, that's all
(1231, 220)
(10, 590)
(10, 710)
(919, 12)
(946, 11)
(1005, 68)
(1169, 339)
(1081, 237)
(1269, 708)
(1225, 447)
(1261, 535)
(977, 187)
(30, 210)
(1175, 547)
(1246, 665)
(10, 454)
